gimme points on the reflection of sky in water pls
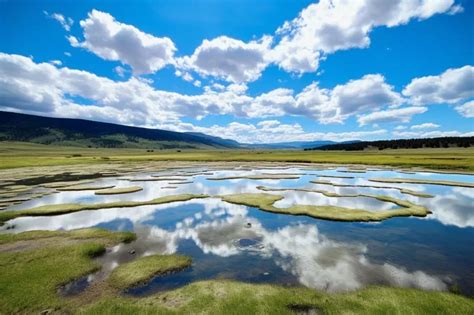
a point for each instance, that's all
(428, 253)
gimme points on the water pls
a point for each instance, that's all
(228, 241)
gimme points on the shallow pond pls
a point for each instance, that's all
(237, 242)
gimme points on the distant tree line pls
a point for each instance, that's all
(443, 142)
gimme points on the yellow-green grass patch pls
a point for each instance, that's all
(143, 269)
(119, 190)
(264, 201)
(402, 190)
(57, 209)
(31, 276)
(422, 181)
(84, 187)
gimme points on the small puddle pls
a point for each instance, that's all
(162, 283)
(77, 286)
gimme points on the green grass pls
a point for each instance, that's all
(32, 273)
(422, 181)
(144, 268)
(34, 264)
(79, 234)
(120, 190)
(257, 177)
(228, 297)
(402, 190)
(84, 187)
(56, 209)
(18, 154)
(265, 202)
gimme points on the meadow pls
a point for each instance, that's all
(203, 231)
(21, 154)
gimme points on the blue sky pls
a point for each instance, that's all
(253, 71)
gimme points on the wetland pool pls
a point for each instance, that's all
(234, 241)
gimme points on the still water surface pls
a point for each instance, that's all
(243, 243)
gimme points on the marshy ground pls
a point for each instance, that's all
(235, 237)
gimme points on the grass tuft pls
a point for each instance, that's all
(145, 268)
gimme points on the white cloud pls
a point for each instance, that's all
(67, 53)
(56, 62)
(320, 29)
(394, 115)
(49, 88)
(31, 87)
(41, 87)
(112, 40)
(431, 134)
(120, 71)
(187, 77)
(451, 86)
(424, 126)
(367, 93)
(331, 25)
(229, 59)
(272, 131)
(466, 110)
(400, 127)
(66, 22)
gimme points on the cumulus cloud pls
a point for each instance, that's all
(424, 126)
(394, 115)
(331, 25)
(31, 87)
(112, 40)
(66, 22)
(56, 62)
(370, 92)
(452, 86)
(320, 29)
(466, 110)
(120, 71)
(41, 87)
(273, 131)
(229, 59)
(431, 134)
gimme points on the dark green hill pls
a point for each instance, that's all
(86, 133)
(441, 142)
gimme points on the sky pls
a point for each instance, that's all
(252, 71)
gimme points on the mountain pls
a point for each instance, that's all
(224, 142)
(298, 145)
(441, 142)
(290, 145)
(86, 133)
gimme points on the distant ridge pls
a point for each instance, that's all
(86, 133)
(440, 142)
(94, 134)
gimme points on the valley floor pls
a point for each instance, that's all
(21, 154)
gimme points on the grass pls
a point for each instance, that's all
(57, 209)
(79, 234)
(121, 190)
(20, 154)
(84, 187)
(145, 268)
(422, 181)
(31, 275)
(402, 190)
(265, 202)
(256, 177)
(229, 297)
